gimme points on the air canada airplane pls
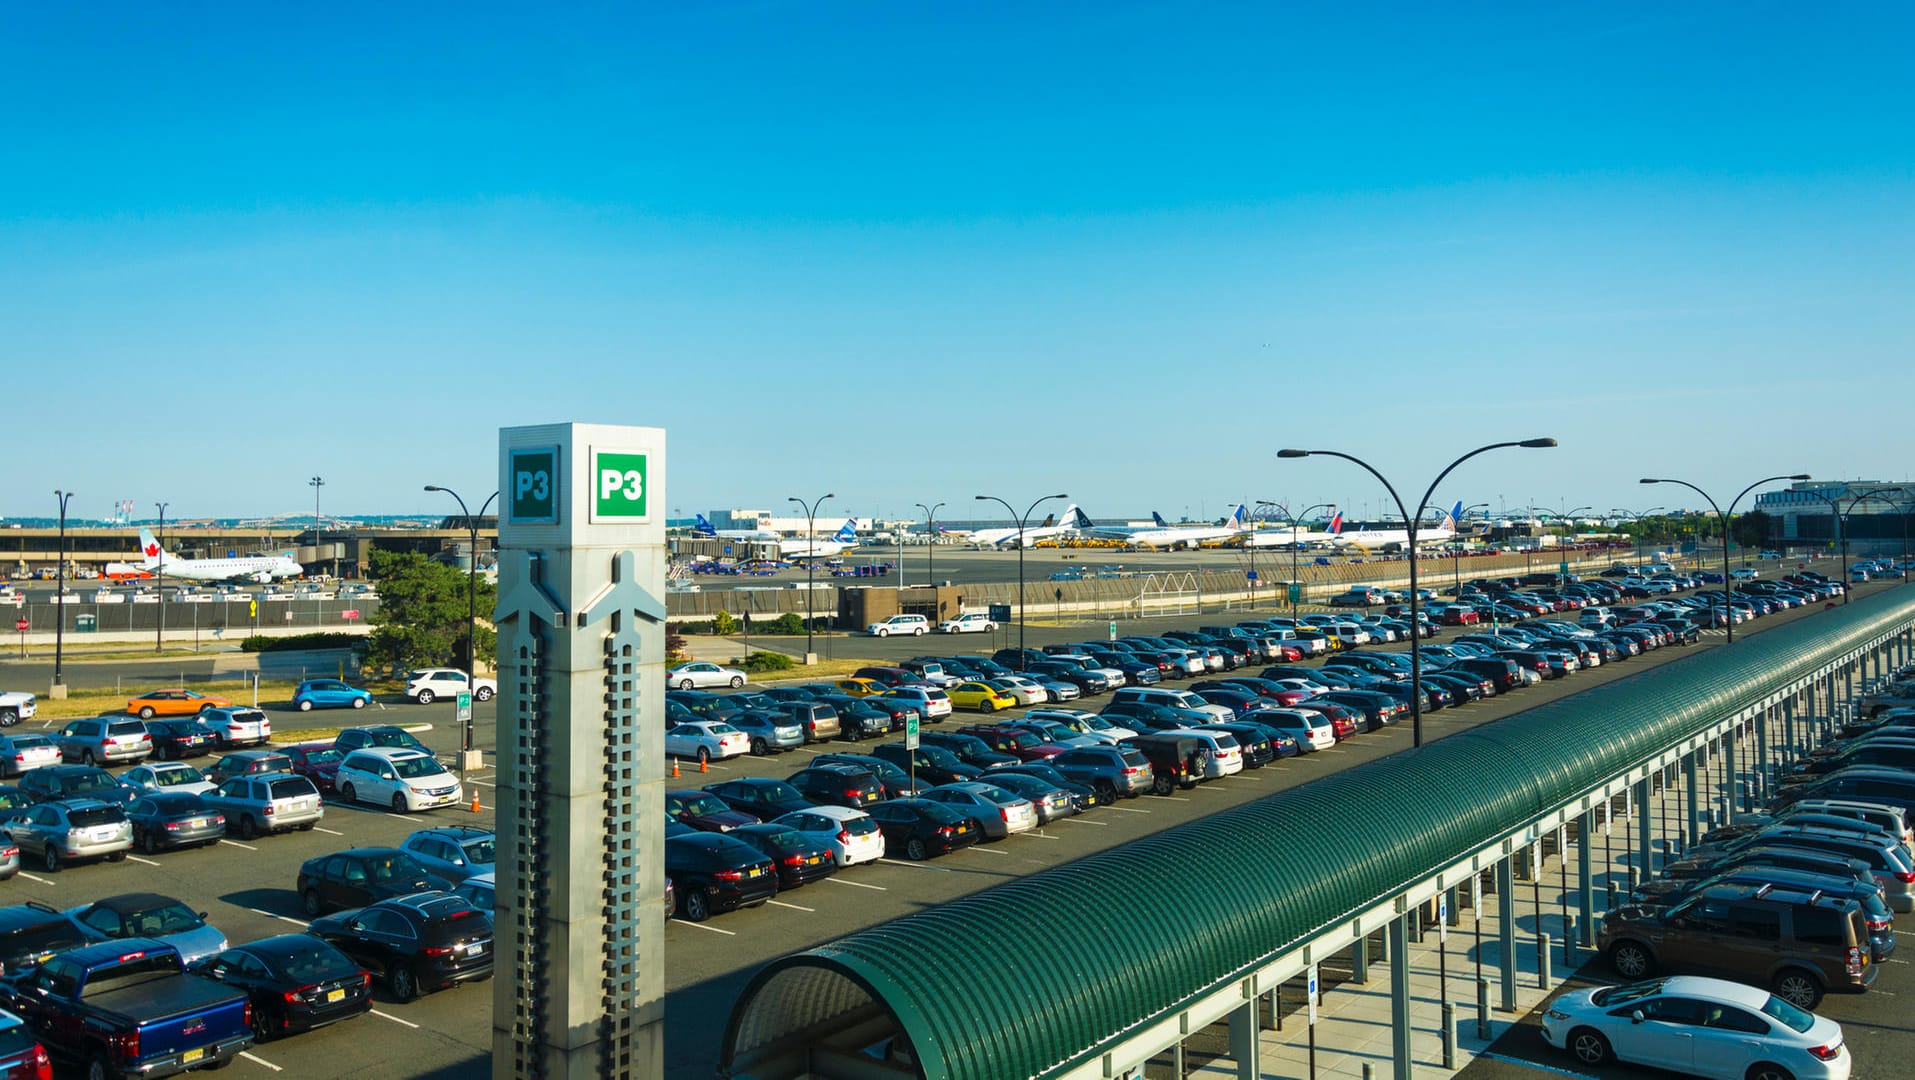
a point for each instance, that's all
(260, 568)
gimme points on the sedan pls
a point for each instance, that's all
(705, 811)
(164, 820)
(173, 703)
(329, 694)
(181, 737)
(921, 828)
(320, 764)
(357, 877)
(1000, 812)
(167, 776)
(851, 835)
(1019, 689)
(1051, 802)
(761, 797)
(699, 674)
(705, 740)
(797, 857)
(150, 915)
(1698, 1027)
(295, 983)
(984, 697)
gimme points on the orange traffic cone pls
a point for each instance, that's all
(475, 801)
(674, 768)
(703, 765)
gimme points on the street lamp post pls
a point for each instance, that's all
(931, 547)
(59, 612)
(471, 604)
(159, 567)
(1020, 560)
(811, 560)
(1295, 581)
(1456, 548)
(1728, 583)
(1410, 528)
(316, 483)
(1635, 518)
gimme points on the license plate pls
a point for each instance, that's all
(814, 860)
(755, 871)
(193, 1055)
(335, 995)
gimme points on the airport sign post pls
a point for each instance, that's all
(462, 710)
(911, 748)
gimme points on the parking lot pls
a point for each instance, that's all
(247, 888)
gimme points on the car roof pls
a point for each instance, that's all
(843, 813)
(127, 903)
(394, 753)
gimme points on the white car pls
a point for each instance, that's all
(852, 835)
(1024, 690)
(930, 702)
(969, 623)
(1090, 726)
(167, 776)
(430, 684)
(699, 674)
(705, 740)
(1226, 756)
(237, 726)
(1698, 1027)
(1313, 731)
(396, 776)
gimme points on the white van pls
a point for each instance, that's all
(899, 624)
(1597, 617)
(1350, 634)
(971, 622)
(1226, 756)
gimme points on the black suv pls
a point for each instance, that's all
(31, 932)
(357, 877)
(1800, 942)
(838, 785)
(933, 765)
(425, 941)
(54, 783)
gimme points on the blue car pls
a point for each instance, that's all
(329, 694)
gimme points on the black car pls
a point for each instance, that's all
(969, 749)
(31, 932)
(834, 785)
(426, 941)
(797, 858)
(53, 783)
(1083, 796)
(932, 765)
(296, 982)
(165, 820)
(703, 810)
(921, 828)
(761, 797)
(1503, 674)
(1379, 710)
(357, 877)
(859, 718)
(712, 872)
(896, 783)
(181, 737)
(249, 762)
(360, 738)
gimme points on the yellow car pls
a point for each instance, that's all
(977, 695)
(861, 687)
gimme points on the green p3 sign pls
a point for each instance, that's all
(621, 487)
(534, 483)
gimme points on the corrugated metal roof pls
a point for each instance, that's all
(1150, 926)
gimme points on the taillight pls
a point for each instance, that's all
(1880, 924)
(448, 950)
(1827, 1051)
(852, 793)
(844, 836)
(269, 809)
(127, 1044)
(172, 826)
(794, 860)
(42, 1068)
(1905, 876)
(944, 830)
(292, 996)
(1004, 813)
(1856, 961)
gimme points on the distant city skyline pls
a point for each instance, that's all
(904, 253)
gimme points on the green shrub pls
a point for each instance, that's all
(723, 624)
(298, 642)
(788, 623)
(766, 661)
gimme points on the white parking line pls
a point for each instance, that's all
(137, 859)
(30, 877)
(989, 851)
(859, 884)
(328, 832)
(1042, 835)
(249, 1056)
(394, 1019)
(915, 865)
(1126, 810)
(237, 844)
(1173, 798)
(482, 783)
(1081, 821)
(702, 926)
(282, 918)
(794, 907)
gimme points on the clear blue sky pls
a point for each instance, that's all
(915, 252)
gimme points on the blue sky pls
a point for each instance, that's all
(915, 252)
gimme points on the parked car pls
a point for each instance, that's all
(60, 782)
(33, 931)
(423, 942)
(797, 858)
(295, 982)
(430, 684)
(851, 834)
(712, 872)
(376, 735)
(921, 828)
(704, 811)
(972, 622)
(329, 694)
(763, 798)
(104, 740)
(237, 727)
(150, 915)
(899, 624)
(706, 740)
(165, 820)
(357, 877)
(167, 776)
(21, 753)
(1001, 813)
(838, 785)
(1697, 1026)
(698, 674)
(931, 765)
(766, 732)
(453, 853)
(181, 737)
(1110, 771)
(405, 780)
(173, 703)
(267, 803)
(248, 763)
(320, 764)
(57, 833)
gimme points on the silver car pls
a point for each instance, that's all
(150, 915)
(59, 832)
(1050, 801)
(266, 803)
(9, 859)
(20, 753)
(237, 726)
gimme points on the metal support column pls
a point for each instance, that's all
(1760, 771)
(1730, 771)
(1506, 931)
(1243, 1039)
(1360, 960)
(1400, 1030)
(1585, 889)
(1645, 824)
(1694, 835)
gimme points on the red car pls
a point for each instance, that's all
(1022, 745)
(316, 763)
(1343, 719)
(21, 1055)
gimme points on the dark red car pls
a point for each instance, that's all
(320, 764)
(704, 811)
(21, 1055)
(1022, 745)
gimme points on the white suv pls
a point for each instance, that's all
(430, 684)
(399, 777)
(969, 623)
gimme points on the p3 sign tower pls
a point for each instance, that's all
(580, 908)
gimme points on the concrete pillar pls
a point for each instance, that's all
(1243, 1040)
(1730, 771)
(1400, 1030)
(1790, 747)
(579, 916)
(1506, 930)
(1585, 890)
(1694, 835)
(1360, 961)
(1759, 771)
(1645, 822)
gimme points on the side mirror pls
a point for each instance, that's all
(1636, 1017)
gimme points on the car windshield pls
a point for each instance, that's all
(171, 918)
(293, 789)
(126, 727)
(95, 815)
(245, 716)
(30, 742)
(778, 791)
(1002, 797)
(97, 780)
(317, 962)
(1795, 1019)
(704, 806)
(786, 839)
(483, 851)
(859, 826)
(392, 737)
(384, 869)
(174, 777)
(322, 757)
(939, 756)
(418, 766)
(722, 729)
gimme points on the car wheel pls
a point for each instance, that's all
(87, 758)
(51, 859)
(146, 712)
(1768, 1070)
(425, 697)
(402, 982)
(919, 632)
(346, 792)
(98, 1069)
(262, 1026)
(988, 627)
(149, 843)
(1107, 791)
(1589, 1046)
(684, 684)
(704, 755)
(9, 717)
(358, 703)
(306, 705)
(758, 747)
(248, 828)
(1631, 960)
(693, 906)
(737, 681)
(882, 632)
(483, 693)
(1161, 784)
(398, 804)
(914, 850)
(309, 903)
(1798, 988)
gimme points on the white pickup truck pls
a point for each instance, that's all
(15, 706)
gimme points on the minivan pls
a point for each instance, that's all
(899, 624)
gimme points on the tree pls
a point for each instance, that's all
(1752, 529)
(421, 621)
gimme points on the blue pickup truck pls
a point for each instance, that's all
(127, 1009)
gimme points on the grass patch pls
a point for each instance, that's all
(79, 704)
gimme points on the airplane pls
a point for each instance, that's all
(260, 568)
(1397, 538)
(1191, 536)
(704, 528)
(841, 541)
(1293, 535)
(119, 571)
(1071, 521)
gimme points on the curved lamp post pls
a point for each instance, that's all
(1020, 560)
(1635, 518)
(1728, 583)
(59, 612)
(471, 602)
(811, 561)
(1410, 522)
(930, 549)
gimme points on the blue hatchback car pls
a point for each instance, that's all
(329, 694)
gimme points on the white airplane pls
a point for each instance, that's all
(1071, 521)
(807, 547)
(260, 568)
(1191, 536)
(1295, 536)
(704, 528)
(1397, 538)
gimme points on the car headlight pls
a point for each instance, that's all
(1554, 1015)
